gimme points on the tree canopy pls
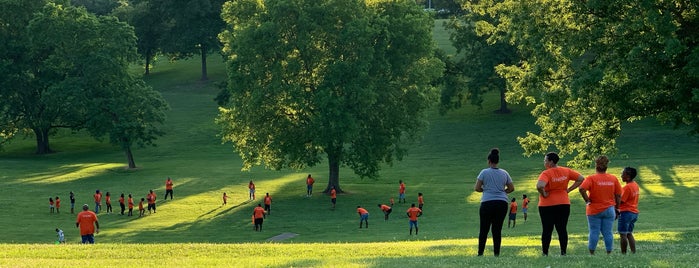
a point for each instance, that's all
(149, 27)
(588, 66)
(192, 28)
(67, 68)
(336, 78)
(472, 72)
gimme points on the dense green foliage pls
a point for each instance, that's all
(337, 79)
(470, 73)
(588, 66)
(67, 68)
(149, 28)
(192, 27)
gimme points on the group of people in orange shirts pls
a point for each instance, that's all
(413, 212)
(87, 220)
(603, 194)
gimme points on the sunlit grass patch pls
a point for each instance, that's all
(70, 173)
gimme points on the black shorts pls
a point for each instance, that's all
(258, 221)
(334, 200)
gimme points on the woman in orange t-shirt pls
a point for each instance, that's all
(554, 204)
(258, 214)
(602, 206)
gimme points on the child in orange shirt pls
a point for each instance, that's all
(108, 201)
(225, 199)
(58, 205)
(141, 210)
(420, 201)
(122, 204)
(130, 202)
(513, 214)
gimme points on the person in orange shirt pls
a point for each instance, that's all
(386, 211)
(87, 221)
(225, 199)
(333, 196)
(309, 185)
(259, 214)
(554, 203)
(513, 214)
(98, 200)
(130, 202)
(420, 201)
(151, 201)
(122, 204)
(628, 209)
(268, 204)
(363, 216)
(141, 210)
(401, 191)
(413, 213)
(51, 207)
(525, 206)
(168, 188)
(251, 187)
(602, 194)
(108, 201)
(58, 205)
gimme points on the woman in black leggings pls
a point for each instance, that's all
(495, 184)
(554, 204)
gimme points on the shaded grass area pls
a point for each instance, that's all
(194, 229)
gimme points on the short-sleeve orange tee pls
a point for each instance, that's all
(629, 197)
(86, 220)
(413, 212)
(556, 180)
(258, 212)
(601, 189)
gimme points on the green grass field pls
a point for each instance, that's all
(195, 230)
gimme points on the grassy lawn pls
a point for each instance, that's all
(194, 229)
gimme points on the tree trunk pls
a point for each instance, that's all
(129, 157)
(334, 174)
(42, 140)
(503, 103)
(148, 57)
(204, 76)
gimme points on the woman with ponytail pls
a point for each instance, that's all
(495, 184)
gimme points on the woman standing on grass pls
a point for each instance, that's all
(602, 204)
(495, 184)
(554, 204)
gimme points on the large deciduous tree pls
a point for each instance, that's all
(192, 28)
(472, 72)
(332, 78)
(70, 69)
(591, 65)
(149, 25)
